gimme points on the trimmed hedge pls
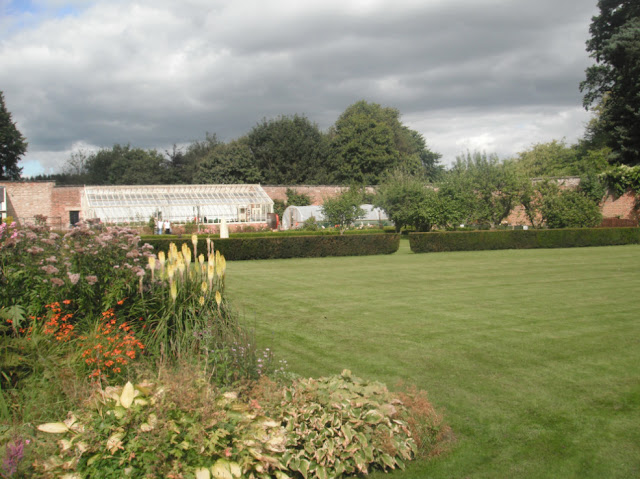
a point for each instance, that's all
(521, 239)
(289, 246)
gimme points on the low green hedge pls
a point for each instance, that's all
(521, 239)
(288, 246)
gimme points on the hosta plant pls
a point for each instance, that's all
(327, 427)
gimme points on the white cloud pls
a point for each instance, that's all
(490, 74)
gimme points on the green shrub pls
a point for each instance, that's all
(326, 427)
(521, 239)
(570, 209)
(296, 246)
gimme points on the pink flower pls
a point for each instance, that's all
(57, 282)
(91, 280)
(74, 277)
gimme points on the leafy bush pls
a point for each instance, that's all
(521, 239)
(322, 428)
(623, 178)
(310, 224)
(570, 209)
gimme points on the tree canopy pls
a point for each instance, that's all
(289, 150)
(12, 145)
(613, 83)
(368, 140)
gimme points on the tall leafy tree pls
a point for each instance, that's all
(289, 150)
(228, 163)
(12, 145)
(613, 82)
(123, 165)
(368, 140)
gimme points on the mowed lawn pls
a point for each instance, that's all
(533, 356)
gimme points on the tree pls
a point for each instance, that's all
(228, 163)
(184, 165)
(496, 186)
(409, 201)
(344, 209)
(297, 199)
(569, 209)
(12, 145)
(123, 165)
(613, 83)
(367, 140)
(554, 158)
(289, 150)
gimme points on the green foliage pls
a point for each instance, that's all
(289, 150)
(521, 239)
(228, 163)
(623, 178)
(344, 209)
(613, 82)
(278, 207)
(310, 224)
(368, 139)
(123, 165)
(409, 201)
(569, 209)
(481, 189)
(12, 145)
(329, 427)
(297, 199)
(549, 159)
(300, 245)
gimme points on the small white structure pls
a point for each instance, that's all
(294, 216)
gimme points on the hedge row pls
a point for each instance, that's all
(289, 246)
(521, 239)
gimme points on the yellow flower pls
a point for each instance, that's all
(161, 258)
(174, 291)
(203, 286)
(201, 300)
(218, 298)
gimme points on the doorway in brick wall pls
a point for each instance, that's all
(74, 217)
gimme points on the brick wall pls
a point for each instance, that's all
(622, 207)
(25, 200)
(317, 193)
(65, 199)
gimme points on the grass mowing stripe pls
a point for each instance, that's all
(532, 354)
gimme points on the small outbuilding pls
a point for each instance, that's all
(295, 216)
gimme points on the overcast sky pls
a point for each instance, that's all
(491, 75)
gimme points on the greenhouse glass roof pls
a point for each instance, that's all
(177, 203)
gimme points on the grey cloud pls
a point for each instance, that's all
(153, 73)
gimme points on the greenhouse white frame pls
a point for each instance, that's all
(177, 203)
(294, 216)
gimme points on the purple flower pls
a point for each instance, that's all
(52, 259)
(49, 269)
(14, 452)
(74, 277)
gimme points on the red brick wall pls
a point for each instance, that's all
(25, 200)
(65, 199)
(622, 207)
(317, 193)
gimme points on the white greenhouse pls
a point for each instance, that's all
(294, 216)
(177, 203)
